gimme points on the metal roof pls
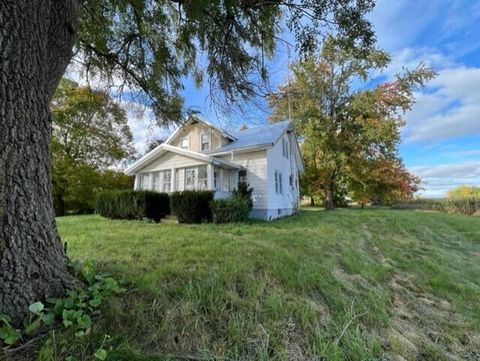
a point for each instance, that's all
(262, 135)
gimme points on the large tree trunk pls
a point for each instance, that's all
(36, 40)
(329, 194)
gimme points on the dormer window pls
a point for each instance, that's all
(205, 141)
(184, 143)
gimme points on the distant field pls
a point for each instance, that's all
(353, 284)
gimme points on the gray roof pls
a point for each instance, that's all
(266, 134)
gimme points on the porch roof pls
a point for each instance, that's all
(165, 148)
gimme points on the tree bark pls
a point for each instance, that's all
(36, 41)
(329, 194)
(312, 201)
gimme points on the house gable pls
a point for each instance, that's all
(195, 134)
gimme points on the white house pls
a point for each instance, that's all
(200, 156)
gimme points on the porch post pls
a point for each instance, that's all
(135, 184)
(173, 179)
(221, 180)
(210, 176)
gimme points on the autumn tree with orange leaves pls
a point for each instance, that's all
(351, 129)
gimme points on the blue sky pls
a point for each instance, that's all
(441, 140)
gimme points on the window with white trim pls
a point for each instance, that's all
(190, 178)
(184, 143)
(202, 177)
(144, 181)
(278, 182)
(155, 186)
(140, 182)
(167, 181)
(205, 141)
(285, 148)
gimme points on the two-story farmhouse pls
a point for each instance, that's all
(200, 156)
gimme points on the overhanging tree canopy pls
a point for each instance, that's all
(149, 45)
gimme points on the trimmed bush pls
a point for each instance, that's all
(157, 205)
(192, 206)
(244, 191)
(465, 206)
(234, 209)
(133, 205)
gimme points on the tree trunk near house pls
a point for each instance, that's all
(36, 41)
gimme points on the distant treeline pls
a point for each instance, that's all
(466, 206)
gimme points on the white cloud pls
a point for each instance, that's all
(410, 58)
(143, 125)
(438, 179)
(449, 107)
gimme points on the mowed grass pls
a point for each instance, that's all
(370, 284)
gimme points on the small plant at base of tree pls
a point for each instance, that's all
(73, 313)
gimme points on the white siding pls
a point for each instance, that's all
(287, 201)
(171, 160)
(256, 165)
(193, 133)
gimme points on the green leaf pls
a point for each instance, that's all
(33, 327)
(68, 303)
(36, 307)
(97, 301)
(59, 307)
(48, 319)
(67, 323)
(5, 318)
(84, 321)
(80, 333)
(9, 335)
(101, 354)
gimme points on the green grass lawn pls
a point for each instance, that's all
(354, 284)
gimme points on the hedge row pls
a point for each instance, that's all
(187, 206)
(133, 205)
(192, 206)
(465, 206)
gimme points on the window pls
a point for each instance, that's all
(167, 180)
(242, 176)
(190, 178)
(140, 182)
(144, 181)
(278, 182)
(155, 181)
(184, 143)
(285, 148)
(202, 177)
(205, 140)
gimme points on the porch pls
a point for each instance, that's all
(221, 179)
